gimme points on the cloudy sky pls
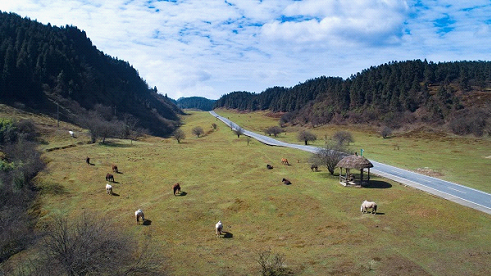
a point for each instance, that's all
(209, 48)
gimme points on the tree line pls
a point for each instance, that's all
(394, 93)
(200, 103)
(58, 71)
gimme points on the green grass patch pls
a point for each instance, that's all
(315, 223)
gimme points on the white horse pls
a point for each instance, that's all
(72, 134)
(138, 215)
(218, 228)
(368, 205)
(109, 189)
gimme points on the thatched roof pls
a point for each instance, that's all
(354, 162)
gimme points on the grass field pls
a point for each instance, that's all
(464, 160)
(315, 222)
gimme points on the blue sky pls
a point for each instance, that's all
(210, 48)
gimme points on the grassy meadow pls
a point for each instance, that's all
(464, 160)
(315, 223)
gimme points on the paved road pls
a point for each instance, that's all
(466, 196)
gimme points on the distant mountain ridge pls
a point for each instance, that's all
(50, 69)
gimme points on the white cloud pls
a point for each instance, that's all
(209, 48)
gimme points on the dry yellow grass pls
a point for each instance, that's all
(315, 222)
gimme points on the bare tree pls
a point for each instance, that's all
(330, 155)
(198, 131)
(99, 127)
(90, 246)
(179, 135)
(386, 132)
(238, 131)
(272, 264)
(343, 137)
(306, 136)
(274, 130)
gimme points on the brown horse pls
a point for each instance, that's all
(109, 177)
(176, 188)
(314, 167)
(138, 215)
(286, 181)
(114, 168)
(284, 161)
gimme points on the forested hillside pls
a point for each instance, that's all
(454, 94)
(57, 69)
(195, 103)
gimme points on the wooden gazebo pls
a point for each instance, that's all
(354, 162)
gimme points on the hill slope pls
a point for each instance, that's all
(42, 66)
(397, 93)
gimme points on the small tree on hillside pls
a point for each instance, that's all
(330, 155)
(386, 132)
(179, 135)
(238, 131)
(306, 137)
(343, 137)
(198, 131)
(274, 130)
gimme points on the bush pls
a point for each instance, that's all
(272, 264)
(343, 137)
(386, 132)
(90, 246)
(198, 131)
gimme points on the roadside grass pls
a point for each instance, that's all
(315, 222)
(464, 160)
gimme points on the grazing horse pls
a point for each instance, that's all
(109, 189)
(284, 161)
(368, 205)
(109, 177)
(286, 181)
(218, 229)
(114, 168)
(176, 188)
(138, 215)
(72, 134)
(314, 167)
(269, 167)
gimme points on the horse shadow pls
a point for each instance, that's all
(378, 184)
(147, 222)
(182, 193)
(228, 235)
(115, 194)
